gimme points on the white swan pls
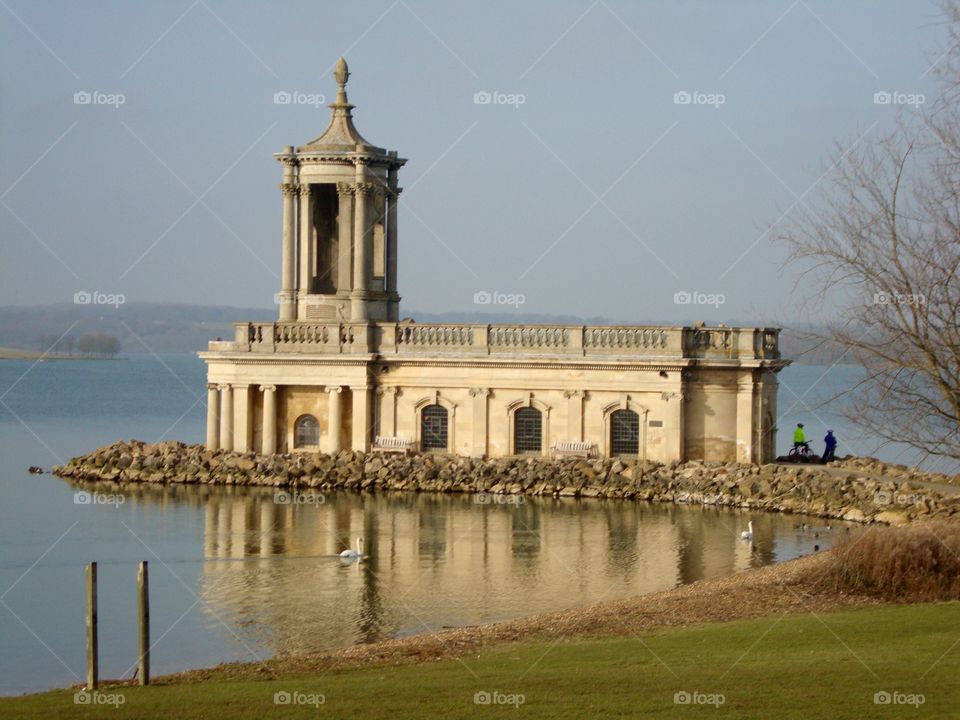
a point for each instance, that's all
(748, 533)
(351, 554)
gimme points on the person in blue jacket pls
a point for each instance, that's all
(830, 441)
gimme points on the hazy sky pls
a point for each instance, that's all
(600, 194)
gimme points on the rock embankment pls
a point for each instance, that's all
(775, 488)
(872, 466)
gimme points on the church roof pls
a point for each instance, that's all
(341, 136)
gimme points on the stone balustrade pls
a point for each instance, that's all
(600, 341)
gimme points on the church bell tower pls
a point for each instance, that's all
(339, 239)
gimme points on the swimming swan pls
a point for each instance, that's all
(351, 554)
(748, 533)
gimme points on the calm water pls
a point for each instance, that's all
(237, 575)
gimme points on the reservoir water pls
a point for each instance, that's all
(243, 574)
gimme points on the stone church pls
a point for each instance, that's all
(339, 370)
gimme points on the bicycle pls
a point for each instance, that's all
(802, 454)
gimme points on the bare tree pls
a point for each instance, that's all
(880, 249)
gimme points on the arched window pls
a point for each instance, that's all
(528, 430)
(306, 432)
(433, 428)
(624, 432)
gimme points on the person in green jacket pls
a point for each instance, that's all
(799, 437)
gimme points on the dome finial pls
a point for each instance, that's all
(341, 72)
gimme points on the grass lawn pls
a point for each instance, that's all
(779, 667)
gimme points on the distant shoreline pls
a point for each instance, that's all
(7, 353)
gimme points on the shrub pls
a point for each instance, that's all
(918, 562)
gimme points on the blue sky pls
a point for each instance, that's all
(603, 193)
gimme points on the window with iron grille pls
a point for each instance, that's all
(433, 428)
(624, 433)
(527, 430)
(306, 431)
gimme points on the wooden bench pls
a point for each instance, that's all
(392, 445)
(580, 449)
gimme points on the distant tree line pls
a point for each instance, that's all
(100, 345)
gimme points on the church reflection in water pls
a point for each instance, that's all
(271, 569)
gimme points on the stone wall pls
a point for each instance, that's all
(775, 488)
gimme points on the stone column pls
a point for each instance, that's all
(226, 417)
(361, 245)
(307, 243)
(745, 418)
(388, 411)
(268, 428)
(242, 418)
(480, 422)
(288, 259)
(334, 420)
(390, 279)
(345, 213)
(574, 415)
(213, 417)
(361, 418)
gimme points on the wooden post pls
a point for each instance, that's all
(143, 621)
(92, 654)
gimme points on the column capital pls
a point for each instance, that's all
(304, 190)
(364, 189)
(334, 389)
(213, 386)
(268, 388)
(345, 188)
(394, 193)
(388, 390)
(225, 386)
(289, 189)
(481, 392)
(573, 393)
